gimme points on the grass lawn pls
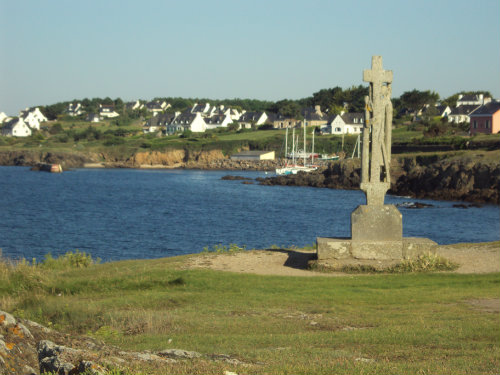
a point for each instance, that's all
(366, 324)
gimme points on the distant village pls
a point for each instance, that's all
(480, 112)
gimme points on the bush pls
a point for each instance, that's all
(186, 134)
(63, 138)
(56, 128)
(266, 127)
(113, 141)
(76, 259)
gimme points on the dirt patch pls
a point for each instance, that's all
(471, 258)
(491, 305)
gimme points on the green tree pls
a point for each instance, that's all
(415, 99)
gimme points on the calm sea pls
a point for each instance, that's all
(129, 214)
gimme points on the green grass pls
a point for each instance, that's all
(397, 324)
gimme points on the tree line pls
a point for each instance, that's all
(332, 101)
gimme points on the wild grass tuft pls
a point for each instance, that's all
(427, 262)
(76, 259)
(219, 248)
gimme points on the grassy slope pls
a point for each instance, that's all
(122, 147)
(415, 323)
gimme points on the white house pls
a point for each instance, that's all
(93, 117)
(476, 100)
(33, 117)
(157, 106)
(461, 113)
(187, 121)
(74, 109)
(134, 105)
(439, 110)
(107, 111)
(345, 123)
(16, 128)
(248, 118)
(218, 121)
(3, 117)
(201, 108)
(160, 122)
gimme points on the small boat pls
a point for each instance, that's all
(56, 168)
(294, 168)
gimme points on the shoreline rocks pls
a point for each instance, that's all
(456, 180)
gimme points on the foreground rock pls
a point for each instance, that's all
(27, 347)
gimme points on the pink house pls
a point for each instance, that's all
(486, 119)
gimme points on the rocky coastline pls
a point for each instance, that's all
(459, 179)
(448, 179)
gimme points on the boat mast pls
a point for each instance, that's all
(293, 145)
(312, 149)
(286, 145)
(305, 155)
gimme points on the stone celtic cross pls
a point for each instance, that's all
(377, 133)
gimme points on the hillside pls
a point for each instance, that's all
(176, 315)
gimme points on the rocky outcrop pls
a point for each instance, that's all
(34, 158)
(448, 179)
(463, 180)
(28, 348)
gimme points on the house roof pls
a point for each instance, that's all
(463, 110)
(201, 107)
(311, 114)
(9, 125)
(487, 109)
(469, 98)
(154, 105)
(216, 119)
(160, 120)
(184, 118)
(353, 118)
(251, 116)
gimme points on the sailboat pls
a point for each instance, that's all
(295, 168)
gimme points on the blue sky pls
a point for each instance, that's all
(60, 50)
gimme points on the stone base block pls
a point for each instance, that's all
(380, 250)
(415, 246)
(376, 223)
(333, 248)
(344, 248)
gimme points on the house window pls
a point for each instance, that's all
(487, 124)
(474, 124)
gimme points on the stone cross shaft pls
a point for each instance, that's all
(376, 151)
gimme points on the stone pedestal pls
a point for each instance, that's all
(376, 223)
(345, 248)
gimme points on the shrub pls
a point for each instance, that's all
(76, 259)
(56, 128)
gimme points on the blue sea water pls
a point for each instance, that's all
(130, 214)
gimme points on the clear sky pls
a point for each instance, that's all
(59, 50)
